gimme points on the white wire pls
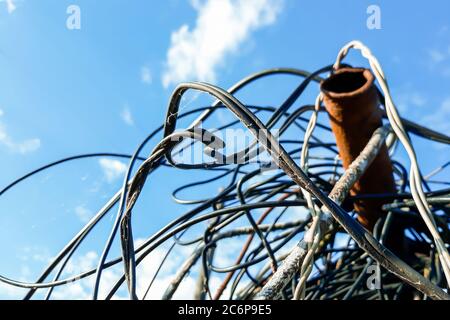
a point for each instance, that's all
(313, 235)
(415, 175)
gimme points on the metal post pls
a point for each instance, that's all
(351, 100)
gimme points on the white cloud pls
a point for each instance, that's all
(417, 100)
(10, 6)
(436, 55)
(82, 289)
(126, 116)
(146, 270)
(28, 255)
(27, 146)
(11, 292)
(146, 75)
(408, 100)
(439, 60)
(439, 119)
(82, 263)
(112, 169)
(221, 27)
(72, 291)
(35, 253)
(443, 30)
(22, 147)
(83, 213)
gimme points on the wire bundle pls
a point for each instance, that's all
(266, 210)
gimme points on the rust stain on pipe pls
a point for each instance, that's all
(351, 100)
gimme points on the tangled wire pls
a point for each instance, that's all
(298, 238)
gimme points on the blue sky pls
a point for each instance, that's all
(104, 87)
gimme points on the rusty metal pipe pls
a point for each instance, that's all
(351, 99)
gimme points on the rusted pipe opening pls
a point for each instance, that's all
(351, 100)
(348, 82)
